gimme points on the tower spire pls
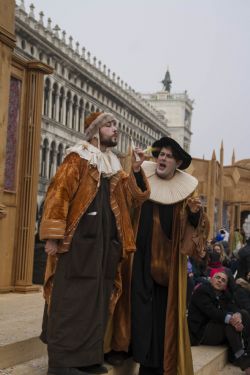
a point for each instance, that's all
(233, 158)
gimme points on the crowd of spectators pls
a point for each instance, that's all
(218, 297)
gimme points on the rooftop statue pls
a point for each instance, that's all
(167, 82)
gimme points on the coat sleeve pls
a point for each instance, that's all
(247, 260)
(242, 298)
(193, 238)
(204, 303)
(136, 189)
(61, 190)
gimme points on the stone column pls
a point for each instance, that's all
(77, 118)
(49, 104)
(82, 121)
(47, 162)
(63, 120)
(70, 115)
(53, 167)
(123, 143)
(57, 108)
(126, 143)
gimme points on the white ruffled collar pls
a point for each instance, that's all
(169, 191)
(107, 163)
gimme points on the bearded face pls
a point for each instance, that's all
(109, 134)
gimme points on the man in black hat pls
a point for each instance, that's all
(172, 225)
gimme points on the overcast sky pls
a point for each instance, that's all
(205, 44)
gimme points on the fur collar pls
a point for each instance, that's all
(107, 163)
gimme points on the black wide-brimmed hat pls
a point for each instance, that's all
(167, 141)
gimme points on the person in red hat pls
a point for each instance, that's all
(172, 225)
(88, 232)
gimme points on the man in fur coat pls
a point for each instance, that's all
(88, 232)
(172, 225)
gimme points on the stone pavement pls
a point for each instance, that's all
(39, 367)
(231, 370)
(20, 316)
(22, 353)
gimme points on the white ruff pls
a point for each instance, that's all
(169, 191)
(106, 162)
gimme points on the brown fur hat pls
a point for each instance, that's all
(95, 121)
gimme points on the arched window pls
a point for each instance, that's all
(80, 117)
(92, 108)
(44, 158)
(74, 109)
(51, 158)
(61, 103)
(46, 97)
(59, 155)
(68, 104)
(54, 96)
(87, 111)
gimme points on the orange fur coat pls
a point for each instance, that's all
(69, 195)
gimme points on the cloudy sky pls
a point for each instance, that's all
(205, 44)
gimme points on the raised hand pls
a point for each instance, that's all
(194, 204)
(138, 158)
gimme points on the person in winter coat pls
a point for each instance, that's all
(172, 225)
(218, 257)
(88, 232)
(242, 292)
(244, 260)
(214, 319)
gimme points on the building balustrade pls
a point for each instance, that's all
(91, 67)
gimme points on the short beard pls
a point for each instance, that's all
(108, 143)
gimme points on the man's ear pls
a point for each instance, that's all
(179, 162)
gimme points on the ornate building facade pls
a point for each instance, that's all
(80, 84)
(176, 108)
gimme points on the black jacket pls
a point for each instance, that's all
(206, 306)
(242, 294)
(244, 260)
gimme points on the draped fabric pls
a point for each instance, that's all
(152, 302)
